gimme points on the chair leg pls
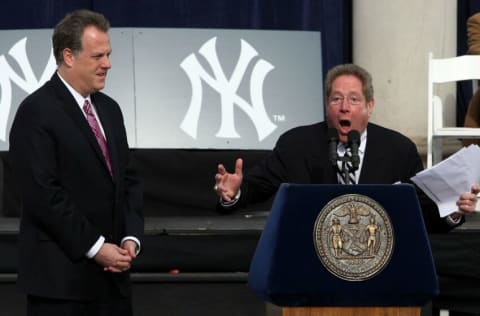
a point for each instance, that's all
(437, 151)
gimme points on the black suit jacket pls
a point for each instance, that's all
(301, 155)
(69, 198)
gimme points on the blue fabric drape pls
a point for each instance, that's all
(331, 17)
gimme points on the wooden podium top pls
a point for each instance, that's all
(351, 311)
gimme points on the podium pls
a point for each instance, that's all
(288, 270)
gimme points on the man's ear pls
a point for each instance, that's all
(68, 57)
(370, 106)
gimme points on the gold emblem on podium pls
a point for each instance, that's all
(354, 238)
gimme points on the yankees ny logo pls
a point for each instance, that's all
(227, 88)
(27, 83)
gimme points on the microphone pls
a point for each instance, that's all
(332, 145)
(354, 142)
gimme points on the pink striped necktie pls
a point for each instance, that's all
(92, 121)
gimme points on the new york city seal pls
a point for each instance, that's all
(354, 237)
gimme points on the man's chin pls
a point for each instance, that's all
(343, 131)
(99, 87)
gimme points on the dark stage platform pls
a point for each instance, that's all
(196, 260)
(457, 259)
(189, 265)
(201, 263)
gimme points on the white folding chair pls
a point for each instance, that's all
(444, 70)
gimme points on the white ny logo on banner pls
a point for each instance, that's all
(27, 83)
(227, 88)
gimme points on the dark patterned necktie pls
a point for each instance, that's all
(345, 164)
(92, 121)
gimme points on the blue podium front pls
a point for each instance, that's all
(287, 269)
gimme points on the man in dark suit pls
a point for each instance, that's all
(82, 221)
(301, 155)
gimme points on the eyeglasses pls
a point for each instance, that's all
(352, 100)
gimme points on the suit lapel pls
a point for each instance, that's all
(373, 159)
(321, 170)
(70, 106)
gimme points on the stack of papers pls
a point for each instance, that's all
(447, 180)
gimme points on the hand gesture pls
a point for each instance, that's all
(227, 184)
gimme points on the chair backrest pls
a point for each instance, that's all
(466, 67)
(443, 70)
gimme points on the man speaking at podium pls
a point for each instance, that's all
(344, 149)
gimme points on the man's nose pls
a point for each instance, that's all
(106, 62)
(344, 105)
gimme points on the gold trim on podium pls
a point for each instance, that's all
(351, 311)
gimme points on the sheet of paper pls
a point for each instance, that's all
(444, 182)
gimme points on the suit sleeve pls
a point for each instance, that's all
(47, 208)
(132, 196)
(263, 180)
(133, 208)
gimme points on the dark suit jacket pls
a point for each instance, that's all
(69, 198)
(301, 155)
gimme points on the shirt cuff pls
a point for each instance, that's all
(92, 252)
(233, 201)
(453, 222)
(135, 239)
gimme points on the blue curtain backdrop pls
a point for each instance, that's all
(333, 18)
(465, 9)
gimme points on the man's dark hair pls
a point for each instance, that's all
(69, 31)
(354, 70)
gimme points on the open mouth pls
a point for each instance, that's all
(345, 123)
